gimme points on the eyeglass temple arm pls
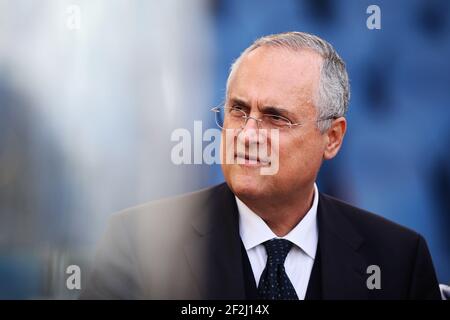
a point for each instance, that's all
(318, 120)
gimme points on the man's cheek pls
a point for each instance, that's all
(227, 146)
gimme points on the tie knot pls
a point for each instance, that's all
(277, 250)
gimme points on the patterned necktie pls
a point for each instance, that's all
(274, 283)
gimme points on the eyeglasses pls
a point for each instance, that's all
(236, 118)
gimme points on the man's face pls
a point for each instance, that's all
(282, 82)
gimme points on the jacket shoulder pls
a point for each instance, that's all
(370, 225)
(166, 218)
(401, 253)
(168, 207)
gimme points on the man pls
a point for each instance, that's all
(267, 236)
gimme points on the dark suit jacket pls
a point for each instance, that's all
(189, 247)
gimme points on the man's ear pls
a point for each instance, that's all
(334, 137)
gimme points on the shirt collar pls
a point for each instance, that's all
(254, 231)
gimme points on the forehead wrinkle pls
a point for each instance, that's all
(294, 91)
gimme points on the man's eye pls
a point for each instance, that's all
(237, 111)
(279, 120)
(237, 107)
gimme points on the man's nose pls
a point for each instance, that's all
(252, 123)
(249, 133)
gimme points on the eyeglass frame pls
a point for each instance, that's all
(289, 124)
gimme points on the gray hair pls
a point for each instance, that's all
(334, 89)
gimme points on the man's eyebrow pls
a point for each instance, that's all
(276, 111)
(240, 102)
(265, 109)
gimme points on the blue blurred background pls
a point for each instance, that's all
(90, 92)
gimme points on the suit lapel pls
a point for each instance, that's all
(214, 253)
(343, 267)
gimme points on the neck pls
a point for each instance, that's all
(282, 216)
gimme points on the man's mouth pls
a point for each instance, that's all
(250, 160)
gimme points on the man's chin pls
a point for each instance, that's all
(247, 186)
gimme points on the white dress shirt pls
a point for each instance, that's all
(300, 259)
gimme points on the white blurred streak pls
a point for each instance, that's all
(110, 92)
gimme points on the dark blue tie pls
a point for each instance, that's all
(274, 283)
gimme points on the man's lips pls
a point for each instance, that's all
(250, 159)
